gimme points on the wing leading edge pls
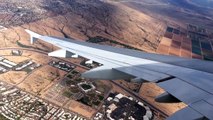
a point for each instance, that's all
(188, 80)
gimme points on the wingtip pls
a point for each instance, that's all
(33, 36)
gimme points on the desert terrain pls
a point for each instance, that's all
(84, 20)
(140, 24)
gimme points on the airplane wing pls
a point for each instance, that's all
(188, 80)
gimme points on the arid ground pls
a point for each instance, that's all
(140, 24)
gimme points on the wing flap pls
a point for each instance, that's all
(183, 91)
(196, 78)
(186, 113)
(106, 73)
(204, 108)
(142, 73)
(193, 78)
(198, 99)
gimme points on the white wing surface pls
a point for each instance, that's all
(188, 80)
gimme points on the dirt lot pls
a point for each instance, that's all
(80, 108)
(17, 59)
(40, 79)
(13, 77)
(5, 52)
(113, 21)
(83, 20)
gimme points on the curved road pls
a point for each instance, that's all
(113, 82)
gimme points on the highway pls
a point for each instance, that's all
(159, 112)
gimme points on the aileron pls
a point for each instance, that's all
(204, 108)
(190, 81)
(183, 91)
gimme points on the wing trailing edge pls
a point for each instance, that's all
(187, 80)
(186, 113)
(106, 73)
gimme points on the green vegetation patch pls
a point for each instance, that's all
(67, 94)
(92, 95)
(78, 79)
(100, 97)
(70, 82)
(86, 86)
(27, 70)
(169, 29)
(1, 104)
(196, 50)
(96, 103)
(70, 76)
(101, 87)
(99, 39)
(75, 72)
(22, 45)
(74, 90)
(85, 100)
(2, 117)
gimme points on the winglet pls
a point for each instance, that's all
(33, 36)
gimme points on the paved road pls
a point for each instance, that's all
(113, 82)
(141, 99)
(45, 53)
